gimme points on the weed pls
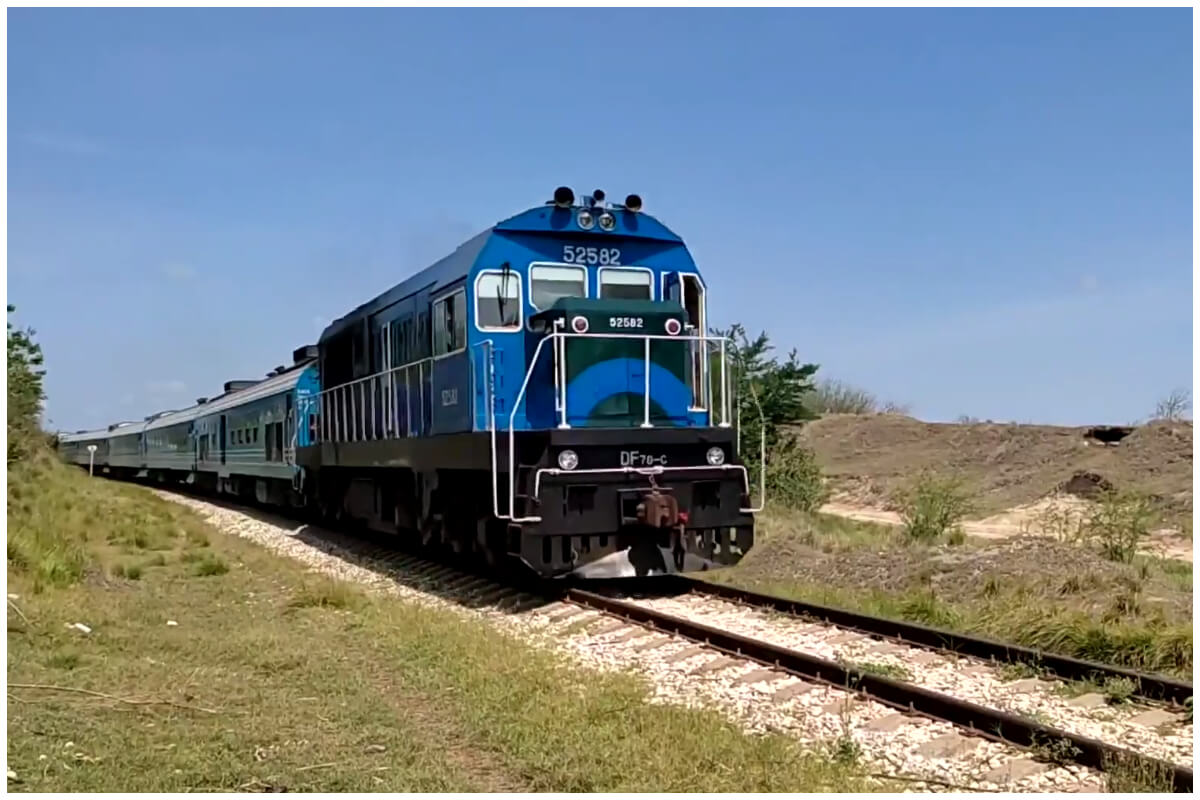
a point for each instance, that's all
(1062, 523)
(1018, 670)
(794, 478)
(1187, 710)
(924, 606)
(991, 587)
(210, 564)
(1119, 690)
(64, 659)
(1056, 751)
(327, 593)
(128, 571)
(882, 670)
(846, 751)
(1129, 773)
(932, 507)
(956, 536)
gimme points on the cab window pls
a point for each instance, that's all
(498, 301)
(626, 284)
(549, 283)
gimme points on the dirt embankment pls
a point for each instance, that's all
(1009, 469)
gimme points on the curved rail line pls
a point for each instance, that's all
(991, 723)
(1149, 686)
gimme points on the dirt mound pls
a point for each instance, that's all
(1005, 465)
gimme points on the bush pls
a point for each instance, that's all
(793, 478)
(838, 397)
(1174, 406)
(1119, 523)
(932, 507)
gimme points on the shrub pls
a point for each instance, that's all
(838, 397)
(793, 478)
(932, 507)
(1118, 524)
(1174, 406)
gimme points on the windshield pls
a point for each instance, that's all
(548, 284)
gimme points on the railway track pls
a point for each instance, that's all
(695, 648)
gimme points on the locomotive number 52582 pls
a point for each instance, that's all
(604, 256)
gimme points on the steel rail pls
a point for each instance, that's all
(991, 723)
(1150, 686)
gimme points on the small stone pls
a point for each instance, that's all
(172, 623)
(715, 664)
(79, 626)
(374, 748)
(1016, 770)
(1026, 685)
(68, 745)
(886, 648)
(844, 638)
(14, 597)
(1152, 718)
(792, 690)
(760, 675)
(42, 757)
(887, 724)
(12, 776)
(684, 654)
(1090, 700)
(947, 746)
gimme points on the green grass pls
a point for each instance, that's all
(894, 671)
(280, 680)
(1132, 615)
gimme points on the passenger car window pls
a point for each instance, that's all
(626, 284)
(498, 301)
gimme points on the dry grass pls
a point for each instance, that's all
(1035, 592)
(273, 679)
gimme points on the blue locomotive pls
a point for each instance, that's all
(548, 392)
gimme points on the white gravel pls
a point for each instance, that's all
(971, 679)
(821, 715)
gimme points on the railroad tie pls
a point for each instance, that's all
(713, 665)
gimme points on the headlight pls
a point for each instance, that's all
(567, 459)
(586, 220)
(715, 456)
(607, 221)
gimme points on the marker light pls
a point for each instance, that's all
(579, 324)
(673, 327)
(633, 203)
(607, 221)
(567, 459)
(715, 456)
(586, 220)
(564, 197)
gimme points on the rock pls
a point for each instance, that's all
(12, 776)
(947, 746)
(79, 626)
(1015, 770)
(375, 748)
(14, 597)
(1026, 685)
(172, 623)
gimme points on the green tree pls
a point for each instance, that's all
(766, 395)
(25, 393)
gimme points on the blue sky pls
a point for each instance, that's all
(970, 212)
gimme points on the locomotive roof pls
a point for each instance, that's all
(545, 220)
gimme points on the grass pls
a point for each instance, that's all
(933, 508)
(895, 671)
(280, 680)
(1065, 601)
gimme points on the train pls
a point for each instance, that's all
(548, 395)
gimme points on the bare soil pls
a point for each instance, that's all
(868, 457)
